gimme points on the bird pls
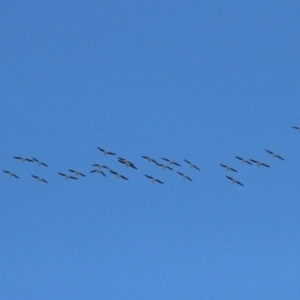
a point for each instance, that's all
(98, 171)
(39, 178)
(67, 176)
(297, 128)
(149, 159)
(274, 155)
(126, 162)
(228, 168)
(99, 166)
(259, 163)
(184, 176)
(106, 152)
(11, 174)
(164, 166)
(154, 179)
(23, 159)
(39, 162)
(244, 160)
(77, 173)
(118, 175)
(192, 165)
(234, 181)
(171, 162)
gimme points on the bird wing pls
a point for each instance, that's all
(254, 160)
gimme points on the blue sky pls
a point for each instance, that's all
(197, 80)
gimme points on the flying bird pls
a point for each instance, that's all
(192, 165)
(40, 162)
(154, 179)
(126, 162)
(274, 155)
(184, 176)
(67, 176)
(77, 173)
(228, 168)
(244, 160)
(99, 166)
(98, 172)
(106, 152)
(164, 166)
(149, 159)
(39, 178)
(23, 159)
(118, 175)
(234, 181)
(259, 163)
(10, 174)
(171, 162)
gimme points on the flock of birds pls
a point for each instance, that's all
(99, 169)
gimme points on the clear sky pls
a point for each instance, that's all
(199, 80)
